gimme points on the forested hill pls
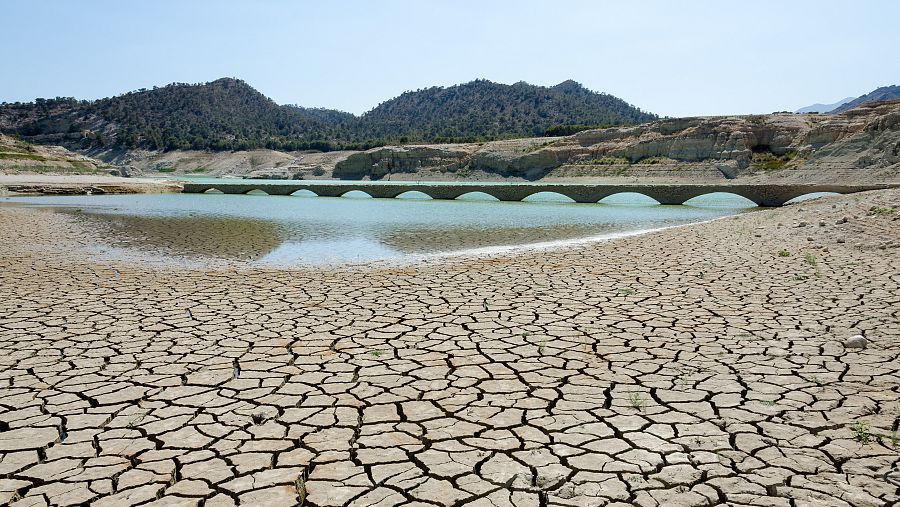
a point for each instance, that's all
(222, 115)
(228, 114)
(486, 110)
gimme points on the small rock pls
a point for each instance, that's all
(802, 223)
(809, 238)
(856, 342)
(893, 477)
(821, 223)
(841, 240)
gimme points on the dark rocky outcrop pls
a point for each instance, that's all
(378, 162)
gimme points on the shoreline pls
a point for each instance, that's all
(109, 252)
(501, 251)
(134, 255)
(46, 184)
(694, 365)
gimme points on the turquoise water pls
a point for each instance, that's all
(297, 230)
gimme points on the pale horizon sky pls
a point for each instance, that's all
(682, 58)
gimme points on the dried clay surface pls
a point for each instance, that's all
(702, 365)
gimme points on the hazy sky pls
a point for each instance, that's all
(674, 58)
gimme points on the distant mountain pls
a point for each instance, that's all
(228, 114)
(483, 109)
(883, 93)
(823, 108)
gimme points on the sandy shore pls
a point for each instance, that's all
(24, 184)
(694, 366)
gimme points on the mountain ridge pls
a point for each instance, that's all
(823, 108)
(881, 94)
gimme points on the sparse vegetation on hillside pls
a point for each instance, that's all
(770, 162)
(567, 130)
(17, 156)
(656, 160)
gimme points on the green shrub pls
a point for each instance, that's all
(770, 162)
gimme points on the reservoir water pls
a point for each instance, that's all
(299, 230)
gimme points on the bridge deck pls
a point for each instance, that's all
(762, 195)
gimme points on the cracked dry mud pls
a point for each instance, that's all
(694, 366)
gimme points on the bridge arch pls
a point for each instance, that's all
(304, 192)
(213, 191)
(810, 196)
(721, 200)
(414, 195)
(547, 196)
(629, 199)
(476, 196)
(256, 191)
(356, 194)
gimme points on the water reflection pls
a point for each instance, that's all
(187, 236)
(288, 230)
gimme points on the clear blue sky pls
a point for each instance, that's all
(674, 58)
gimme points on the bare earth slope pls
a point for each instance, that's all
(18, 157)
(694, 366)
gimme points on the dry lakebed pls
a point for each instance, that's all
(748, 360)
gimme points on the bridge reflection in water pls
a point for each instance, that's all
(761, 194)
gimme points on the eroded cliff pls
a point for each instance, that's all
(860, 144)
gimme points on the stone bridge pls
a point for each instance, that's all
(761, 194)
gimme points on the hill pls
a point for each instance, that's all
(823, 108)
(878, 95)
(483, 109)
(225, 114)
(228, 114)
